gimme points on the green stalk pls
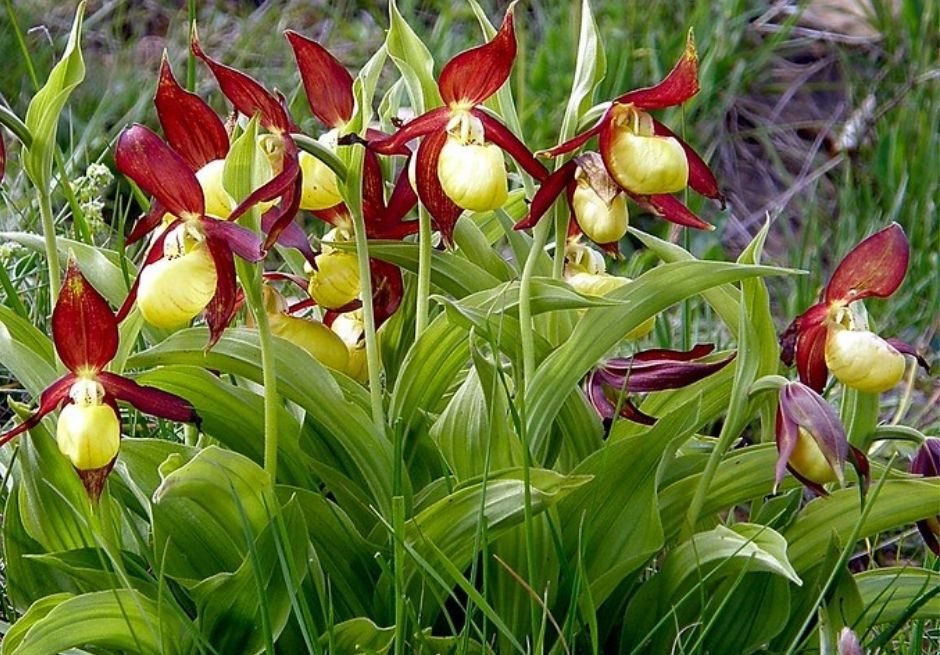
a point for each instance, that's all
(354, 203)
(561, 240)
(48, 234)
(526, 326)
(269, 377)
(424, 271)
(398, 527)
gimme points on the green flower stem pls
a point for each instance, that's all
(561, 240)
(48, 234)
(398, 527)
(269, 379)
(526, 326)
(424, 271)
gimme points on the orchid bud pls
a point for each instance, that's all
(926, 462)
(471, 171)
(335, 283)
(176, 288)
(320, 188)
(88, 431)
(218, 201)
(848, 643)
(314, 337)
(599, 205)
(580, 258)
(862, 360)
(642, 162)
(350, 328)
(811, 441)
(600, 284)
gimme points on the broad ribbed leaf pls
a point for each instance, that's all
(336, 405)
(117, 619)
(359, 636)
(26, 334)
(42, 116)
(894, 593)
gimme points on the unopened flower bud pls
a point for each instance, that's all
(926, 462)
(471, 171)
(601, 222)
(314, 337)
(349, 327)
(320, 188)
(335, 283)
(88, 431)
(848, 643)
(808, 460)
(176, 288)
(580, 258)
(218, 201)
(862, 360)
(641, 161)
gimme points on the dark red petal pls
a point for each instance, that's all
(926, 460)
(240, 240)
(576, 141)
(191, 127)
(442, 209)
(373, 188)
(597, 397)
(83, 326)
(812, 317)
(301, 305)
(680, 85)
(283, 214)
(670, 374)
(221, 309)
(859, 462)
(671, 209)
(811, 357)
(246, 94)
(276, 187)
(907, 349)
(875, 267)
(327, 83)
(336, 215)
(146, 159)
(394, 144)
(475, 74)
(787, 436)
(387, 290)
(146, 223)
(659, 354)
(278, 276)
(548, 192)
(501, 135)
(701, 178)
(391, 224)
(929, 537)
(148, 399)
(50, 399)
(291, 236)
(154, 254)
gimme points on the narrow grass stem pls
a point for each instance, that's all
(48, 234)
(398, 527)
(424, 271)
(269, 379)
(526, 327)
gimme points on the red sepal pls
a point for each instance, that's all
(394, 144)
(245, 93)
(145, 158)
(602, 405)
(279, 276)
(677, 87)
(291, 236)
(221, 309)
(811, 357)
(148, 399)
(387, 290)
(905, 348)
(84, 329)
(547, 193)
(373, 187)
(391, 224)
(278, 186)
(191, 127)
(875, 267)
(337, 215)
(154, 254)
(475, 74)
(577, 141)
(701, 178)
(146, 223)
(327, 83)
(671, 209)
(240, 240)
(442, 209)
(499, 134)
(50, 399)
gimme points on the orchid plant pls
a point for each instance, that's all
(375, 445)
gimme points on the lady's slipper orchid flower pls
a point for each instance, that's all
(85, 333)
(811, 441)
(458, 164)
(646, 371)
(644, 157)
(189, 267)
(250, 98)
(321, 342)
(826, 337)
(926, 462)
